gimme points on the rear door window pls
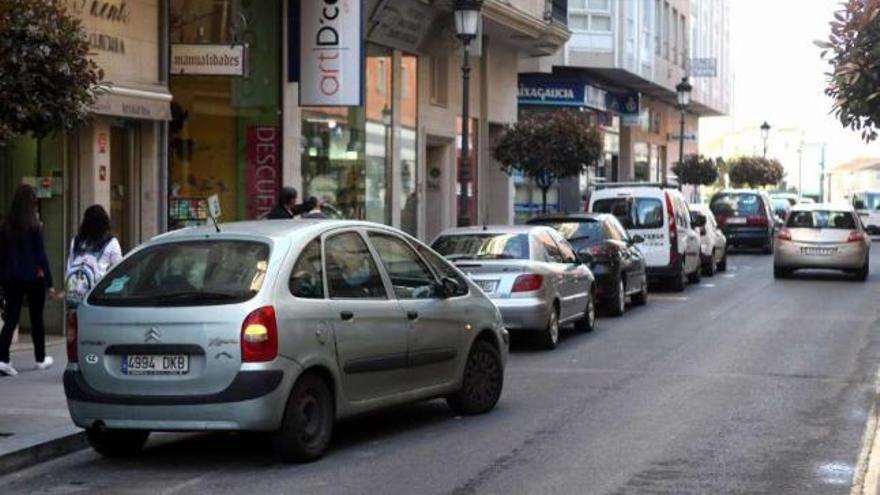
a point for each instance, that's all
(307, 276)
(633, 213)
(410, 277)
(444, 269)
(550, 248)
(351, 271)
(188, 273)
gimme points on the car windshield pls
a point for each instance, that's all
(821, 219)
(483, 246)
(736, 204)
(579, 233)
(633, 213)
(195, 273)
(781, 204)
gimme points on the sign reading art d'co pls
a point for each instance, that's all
(330, 69)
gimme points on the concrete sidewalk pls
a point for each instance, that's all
(34, 423)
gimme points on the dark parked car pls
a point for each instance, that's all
(619, 265)
(746, 217)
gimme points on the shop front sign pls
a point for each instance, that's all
(208, 59)
(263, 173)
(549, 91)
(331, 52)
(627, 106)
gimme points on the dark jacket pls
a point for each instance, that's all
(25, 259)
(280, 213)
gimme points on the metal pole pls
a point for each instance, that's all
(464, 171)
(765, 147)
(822, 176)
(681, 138)
(801, 170)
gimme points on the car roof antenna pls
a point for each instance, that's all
(216, 225)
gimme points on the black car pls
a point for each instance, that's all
(746, 217)
(618, 264)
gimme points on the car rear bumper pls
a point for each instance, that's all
(254, 401)
(747, 236)
(849, 256)
(527, 313)
(663, 271)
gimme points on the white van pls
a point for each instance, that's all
(660, 214)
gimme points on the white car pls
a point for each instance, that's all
(659, 214)
(713, 244)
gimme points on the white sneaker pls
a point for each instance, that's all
(6, 369)
(46, 364)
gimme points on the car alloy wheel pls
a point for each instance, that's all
(482, 382)
(618, 306)
(551, 333)
(588, 322)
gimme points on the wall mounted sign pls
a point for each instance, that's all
(330, 51)
(550, 91)
(703, 67)
(401, 23)
(208, 60)
(262, 169)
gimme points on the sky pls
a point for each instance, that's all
(779, 77)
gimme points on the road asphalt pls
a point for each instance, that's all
(743, 384)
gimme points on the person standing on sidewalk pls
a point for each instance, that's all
(24, 272)
(286, 208)
(93, 252)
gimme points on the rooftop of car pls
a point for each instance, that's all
(492, 229)
(264, 228)
(738, 191)
(823, 207)
(568, 217)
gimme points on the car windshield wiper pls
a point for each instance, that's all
(495, 256)
(579, 238)
(459, 257)
(194, 296)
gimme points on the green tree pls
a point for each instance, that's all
(755, 171)
(546, 147)
(697, 170)
(47, 81)
(853, 51)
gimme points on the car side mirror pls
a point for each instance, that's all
(449, 287)
(636, 239)
(698, 219)
(585, 258)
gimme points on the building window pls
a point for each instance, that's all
(665, 30)
(673, 33)
(439, 81)
(683, 42)
(658, 27)
(590, 16)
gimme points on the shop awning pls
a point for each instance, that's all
(134, 103)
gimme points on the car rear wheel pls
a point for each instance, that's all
(550, 335)
(779, 272)
(679, 281)
(710, 267)
(640, 298)
(117, 443)
(308, 421)
(863, 272)
(722, 265)
(695, 276)
(617, 304)
(588, 322)
(768, 247)
(482, 382)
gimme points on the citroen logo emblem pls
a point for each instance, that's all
(152, 335)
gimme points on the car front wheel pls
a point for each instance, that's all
(308, 421)
(117, 443)
(616, 306)
(482, 382)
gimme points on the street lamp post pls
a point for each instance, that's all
(683, 89)
(467, 21)
(765, 133)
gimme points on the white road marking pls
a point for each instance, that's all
(668, 298)
(866, 478)
(728, 275)
(707, 285)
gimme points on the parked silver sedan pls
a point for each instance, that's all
(531, 272)
(277, 326)
(822, 236)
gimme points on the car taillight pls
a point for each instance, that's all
(259, 336)
(673, 231)
(602, 250)
(784, 235)
(528, 283)
(757, 220)
(72, 331)
(855, 236)
(721, 220)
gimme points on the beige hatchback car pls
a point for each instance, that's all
(823, 236)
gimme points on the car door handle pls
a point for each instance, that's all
(412, 315)
(346, 315)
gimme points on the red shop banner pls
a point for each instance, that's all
(263, 170)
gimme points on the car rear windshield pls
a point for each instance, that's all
(737, 204)
(483, 246)
(821, 219)
(194, 273)
(576, 232)
(633, 213)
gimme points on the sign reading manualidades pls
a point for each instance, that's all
(206, 59)
(331, 51)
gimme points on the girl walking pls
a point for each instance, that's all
(93, 252)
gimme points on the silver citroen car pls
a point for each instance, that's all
(277, 326)
(530, 271)
(828, 236)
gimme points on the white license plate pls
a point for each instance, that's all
(736, 220)
(155, 364)
(487, 286)
(815, 251)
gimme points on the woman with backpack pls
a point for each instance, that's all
(93, 252)
(24, 273)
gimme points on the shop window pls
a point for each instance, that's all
(439, 81)
(225, 136)
(409, 106)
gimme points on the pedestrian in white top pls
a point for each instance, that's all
(93, 252)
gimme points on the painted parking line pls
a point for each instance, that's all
(728, 275)
(707, 285)
(657, 297)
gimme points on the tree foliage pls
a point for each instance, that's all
(698, 170)
(46, 77)
(755, 171)
(853, 51)
(546, 147)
